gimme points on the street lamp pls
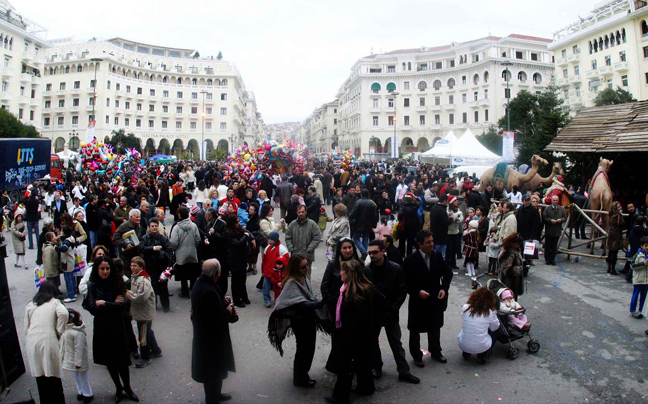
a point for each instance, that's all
(94, 90)
(508, 94)
(203, 151)
(394, 150)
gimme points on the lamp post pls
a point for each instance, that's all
(203, 151)
(94, 88)
(394, 149)
(508, 94)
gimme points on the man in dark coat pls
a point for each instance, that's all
(428, 280)
(350, 199)
(363, 218)
(267, 185)
(528, 220)
(327, 178)
(284, 192)
(439, 223)
(387, 277)
(553, 217)
(393, 254)
(486, 196)
(58, 207)
(212, 355)
(313, 204)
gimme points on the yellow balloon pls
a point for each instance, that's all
(247, 156)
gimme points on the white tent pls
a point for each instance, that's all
(464, 151)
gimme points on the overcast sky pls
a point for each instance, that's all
(295, 54)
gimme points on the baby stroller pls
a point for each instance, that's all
(508, 333)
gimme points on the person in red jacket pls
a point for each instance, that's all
(230, 198)
(271, 254)
(278, 273)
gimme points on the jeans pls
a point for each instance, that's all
(70, 285)
(393, 331)
(441, 249)
(93, 238)
(267, 287)
(32, 227)
(639, 293)
(364, 244)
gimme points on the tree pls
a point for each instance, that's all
(610, 97)
(535, 119)
(492, 140)
(220, 55)
(10, 126)
(122, 141)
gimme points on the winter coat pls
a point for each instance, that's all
(109, 341)
(267, 225)
(270, 256)
(67, 256)
(634, 237)
(120, 243)
(156, 261)
(142, 297)
(41, 243)
(74, 348)
(411, 217)
(237, 248)
(551, 229)
(184, 241)
(303, 237)
(284, 192)
(44, 325)
(529, 224)
(471, 244)
(364, 216)
(507, 226)
(456, 226)
(639, 269)
(121, 214)
(615, 233)
(313, 205)
(212, 355)
(105, 228)
(51, 263)
(511, 270)
(339, 228)
(17, 229)
(425, 315)
(439, 222)
(389, 280)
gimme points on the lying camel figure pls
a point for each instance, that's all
(535, 182)
(503, 176)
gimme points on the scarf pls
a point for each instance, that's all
(279, 325)
(338, 317)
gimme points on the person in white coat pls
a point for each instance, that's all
(74, 355)
(45, 321)
(480, 323)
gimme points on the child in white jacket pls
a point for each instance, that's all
(74, 355)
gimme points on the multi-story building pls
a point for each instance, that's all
(255, 132)
(422, 94)
(604, 49)
(23, 48)
(170, 98)
(320, 129)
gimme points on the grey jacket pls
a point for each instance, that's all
(184, 240)
(303, 237)
(553, 230)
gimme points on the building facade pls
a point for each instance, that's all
(423, 94)
(320, 129)
(255, 127)
(23, 47)
(169, 98)
(606, 49)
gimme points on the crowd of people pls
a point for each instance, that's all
(397, 230)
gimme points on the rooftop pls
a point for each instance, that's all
(8, 13)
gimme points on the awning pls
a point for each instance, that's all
(375, 87)
(391, 87)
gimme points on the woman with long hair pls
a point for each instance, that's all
(615, 237)
(98, 251)
(345, 250)
(45, 321)
(267, 223)
(295, 309)
(480, 323)
(353, 337)
(511, 264)
(106, 302)
(253, 227)
(237, 240)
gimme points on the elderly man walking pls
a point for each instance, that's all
(303, 235)
(212, 356)
(127, 245)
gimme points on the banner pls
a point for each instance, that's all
(507, 146)
(90, 132)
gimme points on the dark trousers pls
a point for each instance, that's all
(365, 385)
(407, 244)
(580, 227)
(434, 343)
(130, 335)
(222, 281)
(393, 331)
(239, 290)
(50, 390)
(305, 335)
(148, 343)
(453, 248)
(213, 389)
(117, 372)
(492, 265)
(551, 248)
(161, 290)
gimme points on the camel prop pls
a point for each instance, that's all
(600, 196)
(503, 176)
(535, 182)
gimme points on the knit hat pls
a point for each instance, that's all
(194, 209)
(273, 235)
(19, 212)
(452, 199)
(243, 206)
(506, 293)
(473, 223)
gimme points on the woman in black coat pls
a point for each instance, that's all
(354, 334)
(345, 250)
(106, 220)
(409, 214)
(106, 302)
(237, 245)
(253, 227)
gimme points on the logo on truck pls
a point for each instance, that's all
(25, 155)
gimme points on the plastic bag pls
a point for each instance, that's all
(39, 276)
(80, 254)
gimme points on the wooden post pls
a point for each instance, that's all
(562, 234)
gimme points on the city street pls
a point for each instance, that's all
(592, 350)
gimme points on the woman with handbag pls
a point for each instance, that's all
(295, 309)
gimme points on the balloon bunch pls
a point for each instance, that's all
(100, 158)
(267, 157)
(343, 158)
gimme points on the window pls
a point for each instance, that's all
(192, 125)
(486, 115)
(622, 56)
(223, 111)
(179, 94)
(48, 104)
(437, 119)
(390, 103)
(61, 103)
(595, 65)
(421, 120)
(46, 121)
(451, 119)
(476, 116)
(139, 90)
(20, 113)
(4, 85)
(464, 98)
(223, 97)
(406, 85)
(126, 121)
(165, 93)
(565, 73)
(422, 101)
(577, 90)
(563, 53)
(151, 123)
(534, 56)
(116, 103)
(139, 106)
(422, 86)
(406, 102)
(608, 60)
(151, 108)
(518, 55)
(577, 70)
(390, 120)
(107, 119)
(178, 110)
(165, 124)
(77, 85)
(209, 110)
(452, 63)
(128, 88)
(194, 110)
(165, 108)
(61, 121)
(91, 101)
(194, 96)
(624, 80)
(117, 86)
(475, 95)
(48, 87)
(465, 117)
(61, 86)
(451, 99)
(209, 96)
(223, 125)
(375, 120)
(391, 69)
(75, 120)
(178, 124)
(406, 120)
(107, 102)
(486, 94)
(152, 92)
(208, 126)
(116, 121)
(507, 93)
(451, 83)
(138, 123)
(575, 49)
(437, 100)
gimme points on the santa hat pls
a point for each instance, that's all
(409, 195)
(452, 199)
(559, 180)
(194, 209)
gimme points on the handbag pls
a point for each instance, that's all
(530, 250)
(261, 240)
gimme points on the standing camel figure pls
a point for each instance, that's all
(600, 196)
